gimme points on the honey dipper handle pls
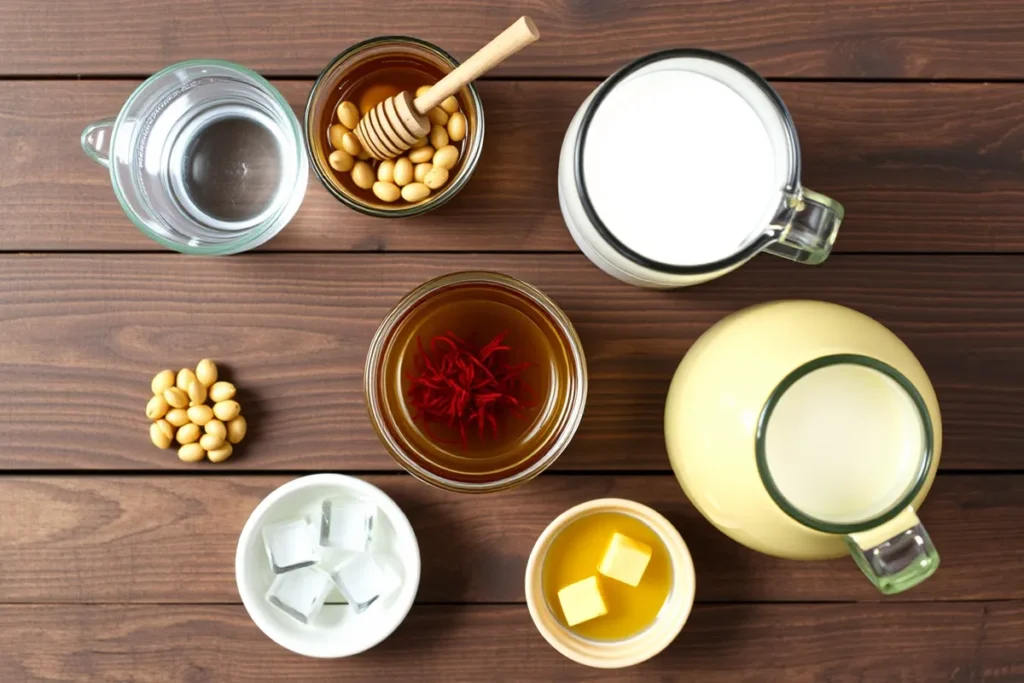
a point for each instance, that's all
(507, 43)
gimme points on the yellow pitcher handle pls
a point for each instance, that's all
(895, 555)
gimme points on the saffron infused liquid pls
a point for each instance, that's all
(476, 313)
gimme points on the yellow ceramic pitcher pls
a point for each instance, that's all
(806, 430)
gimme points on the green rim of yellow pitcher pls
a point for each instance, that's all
(772, 402)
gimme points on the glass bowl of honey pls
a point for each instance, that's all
(610, 583)
(358, 79)
(475, 382)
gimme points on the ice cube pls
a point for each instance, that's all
(301, 593)
(347, 524)
(290, 545)
(363, 579)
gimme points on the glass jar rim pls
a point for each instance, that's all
(758, 242)
(372, 378)
(472, 155)
(249, 238)
(923, 467)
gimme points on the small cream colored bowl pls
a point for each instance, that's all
(644, 645)
(336, 631)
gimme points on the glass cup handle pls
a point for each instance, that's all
(896, 555)
(96, 141)
(807, 226)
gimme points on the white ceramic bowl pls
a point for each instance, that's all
(336, 631)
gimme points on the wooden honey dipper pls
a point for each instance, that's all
(397, 123)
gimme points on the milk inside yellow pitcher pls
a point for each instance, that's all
(808, 430)
(844, 443)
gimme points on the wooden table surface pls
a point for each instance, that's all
(116, 560)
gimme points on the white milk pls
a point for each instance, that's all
(844, 443)
(685, 161)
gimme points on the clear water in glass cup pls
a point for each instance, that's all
(206, 157)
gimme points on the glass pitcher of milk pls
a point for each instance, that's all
(684, 165)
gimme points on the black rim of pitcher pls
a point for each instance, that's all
(756, 245)
(905, 499)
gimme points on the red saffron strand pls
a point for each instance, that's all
(462, 387)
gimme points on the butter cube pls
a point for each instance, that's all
(582, 601)
(625, 560)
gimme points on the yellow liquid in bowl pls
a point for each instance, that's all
(575, 554)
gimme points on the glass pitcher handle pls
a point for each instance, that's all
(808, 223)
(96, 141)
(896, 555)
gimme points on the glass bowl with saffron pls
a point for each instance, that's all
(475, 382)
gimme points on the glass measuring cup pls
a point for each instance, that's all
(206, 157)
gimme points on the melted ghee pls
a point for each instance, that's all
(576, 552)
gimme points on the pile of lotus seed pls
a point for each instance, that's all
(180, 413)
(415, 174)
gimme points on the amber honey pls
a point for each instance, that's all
(575, 554)
(369, 83)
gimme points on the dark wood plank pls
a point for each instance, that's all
(960, 643)
(80, 337)
(919, 167)
(172, 539)
(831, 38)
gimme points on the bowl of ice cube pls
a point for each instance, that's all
(327, 566)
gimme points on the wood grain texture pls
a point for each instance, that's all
(961, 643)
(81, 336)
(114, 571)
(172, 539)
(830, 38)
(919, 167)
